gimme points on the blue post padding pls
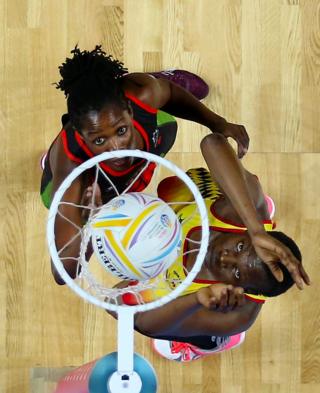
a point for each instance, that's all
(107, 365)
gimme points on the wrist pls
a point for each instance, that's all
(218, 124)
(256, 230)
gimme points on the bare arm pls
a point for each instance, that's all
(64, 231)
(199, 313)
(161, 93)
(185, 317)
(207, 322)
(227, 169)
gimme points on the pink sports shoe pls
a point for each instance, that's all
(189, 81)
(43, 159)
(271, 205)
(184, 352)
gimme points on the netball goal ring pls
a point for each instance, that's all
(125, 371)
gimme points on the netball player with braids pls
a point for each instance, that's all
(111, 109)
(233, 279)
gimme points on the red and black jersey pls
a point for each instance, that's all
(158, 130)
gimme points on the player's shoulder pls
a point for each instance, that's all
(143, 86)
(60, 164)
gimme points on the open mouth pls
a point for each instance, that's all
(118, 162)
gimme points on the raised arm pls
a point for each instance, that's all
(228, 171)
(161, 93)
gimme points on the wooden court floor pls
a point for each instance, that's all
(261, 59)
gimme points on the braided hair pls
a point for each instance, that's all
(91, 80)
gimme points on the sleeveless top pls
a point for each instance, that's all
(173, 190)
(158, 130)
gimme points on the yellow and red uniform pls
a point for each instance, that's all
(173, 190)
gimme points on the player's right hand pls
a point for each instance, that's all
(221, 297)
(236, 132)
(273, 252)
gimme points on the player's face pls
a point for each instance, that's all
(234, 260)
(108, 130)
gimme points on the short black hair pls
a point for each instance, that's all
(91, 80)
(271, 287)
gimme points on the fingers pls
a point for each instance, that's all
(97, 194)
(212, 303)
(241, 150)
(295, 274)
(236, 297)
(223, 299)
(88, 196)
(231, 296)
(88, 192)
(240, 135)
(208, 298)
(293, 266)
(220, 302)
(239, 293)
(242, 141)
(275, 270)
(304, 275)
(273, 252)
(245, 140)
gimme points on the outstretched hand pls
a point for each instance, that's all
(221, 297)
(89, 200)
(236, 132)
(273, 252)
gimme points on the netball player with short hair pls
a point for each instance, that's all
(244, 257)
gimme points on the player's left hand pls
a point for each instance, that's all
(221, 297)
(90, 201)
(273, 252)
(236, 132)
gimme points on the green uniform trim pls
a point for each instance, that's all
(46, 195)
(164, 118)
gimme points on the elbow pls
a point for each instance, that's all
(244, 325)
(57, 278)
(210, 140)
(139, 325)
(248, 318)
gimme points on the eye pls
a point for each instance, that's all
(239, 246)
(237, 273)
(121, 131)
(99, 141)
